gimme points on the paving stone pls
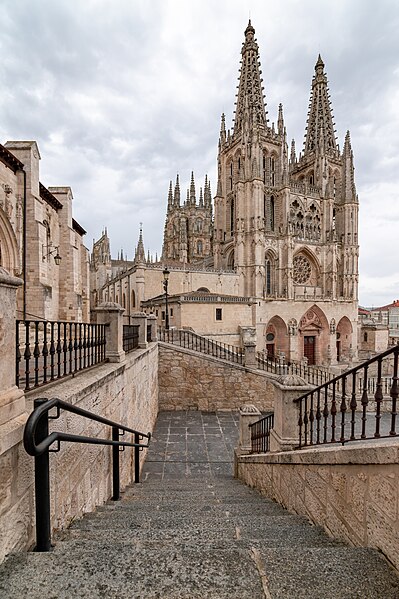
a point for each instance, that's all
(189, 530)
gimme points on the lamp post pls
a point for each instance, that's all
(166, 274)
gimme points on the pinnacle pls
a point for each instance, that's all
(319, 62)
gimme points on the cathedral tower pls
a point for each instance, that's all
(188, 226)
(252, 176)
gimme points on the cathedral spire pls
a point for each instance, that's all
(207, 192)
(250, 104)
(170, 197)
(192, 190)
(176, 197)
(140, 252)
(201, 198)
(222, 129)
(349, 188)
(280, 121)
(320, 133)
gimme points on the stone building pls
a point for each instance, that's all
(40, 241)
(285, 227)
(188, 227)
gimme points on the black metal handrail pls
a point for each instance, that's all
(210, 347)
(260, 434)
(37, 443)
(50, 350)
(323, 411)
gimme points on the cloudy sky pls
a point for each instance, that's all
(123, 94)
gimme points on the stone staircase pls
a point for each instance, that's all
(189, 531)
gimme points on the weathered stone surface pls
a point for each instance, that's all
(353, 492)
(80, 474)
(189, 380)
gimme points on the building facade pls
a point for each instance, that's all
(40, 241)
(284, 228)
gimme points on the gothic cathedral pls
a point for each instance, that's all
(283, 231)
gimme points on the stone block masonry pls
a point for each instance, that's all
(190, 381)
(81, 475)
(352, 491)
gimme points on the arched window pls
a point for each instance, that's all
(133, 299)
(123, 301)
(311, 179)
(199, 248)
(268, 203)
(198, 225)
(231, 176)
(272, 172)
(268, 277)
(264, 169)
(232, 216)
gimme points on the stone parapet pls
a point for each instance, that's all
(110, 314)
(351, 491)
(189, 380)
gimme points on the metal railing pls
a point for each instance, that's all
(37, 443)
(275, 365)
(260, 434)
(330, 413)
(130, 337)
(49, 350)
(191, 340)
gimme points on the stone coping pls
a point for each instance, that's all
(78, 386)
(383, 451)
(197, 354)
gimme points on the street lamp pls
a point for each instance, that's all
(166, 274)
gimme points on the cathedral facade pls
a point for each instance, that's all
(283, 229)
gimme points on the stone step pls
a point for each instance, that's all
(112, 569)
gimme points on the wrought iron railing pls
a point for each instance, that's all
(49, 350)
(37, 443)
(341, 410)
(130, 337)
(260, 434)
(191, 340)
(275, 365)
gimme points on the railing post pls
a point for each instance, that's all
(110, 314)
(42, 485)
(115, 466)
(248, 339)
(285, 433)
(137, 459)
(140, 319)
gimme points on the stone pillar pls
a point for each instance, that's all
(152, 321)
(248, 340)
(248, 415)
(12, 399)
(111, 314)
(285, 433)
(140, 318)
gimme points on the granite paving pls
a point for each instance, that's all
(189, 530)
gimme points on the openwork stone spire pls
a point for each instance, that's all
(349, 188)
(140, 251)
(320, 134)
(250, 103)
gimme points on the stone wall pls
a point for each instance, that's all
(80, 474)
(352, 491)
(188, 380)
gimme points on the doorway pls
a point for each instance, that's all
(309, 348)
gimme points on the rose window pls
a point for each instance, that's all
(302, 270)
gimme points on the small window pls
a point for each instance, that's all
(270, 337)
(218, 313)
(163, 314)
(156, 312)
(365, 336)
(171, 311)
